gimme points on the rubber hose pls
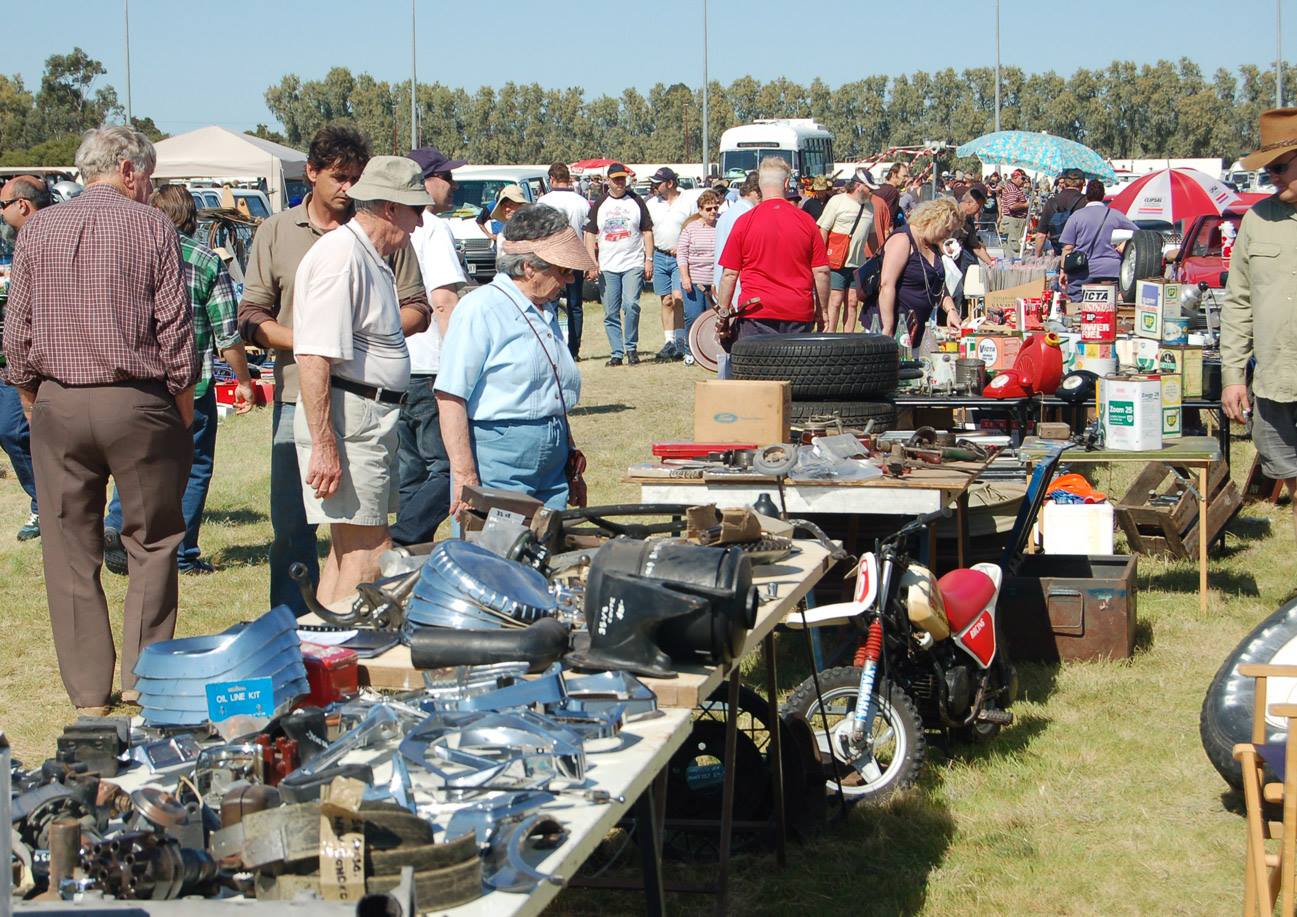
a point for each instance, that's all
(539, 644)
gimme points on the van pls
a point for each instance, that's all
(477, 187)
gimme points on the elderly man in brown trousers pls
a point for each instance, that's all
(100, 344)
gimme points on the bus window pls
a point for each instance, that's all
(747, 160)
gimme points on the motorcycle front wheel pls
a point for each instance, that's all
(877, 770)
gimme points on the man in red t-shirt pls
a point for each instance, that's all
(777, 250)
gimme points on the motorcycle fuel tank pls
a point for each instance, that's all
(969, 597)
(923, 601)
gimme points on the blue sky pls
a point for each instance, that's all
(194, 64)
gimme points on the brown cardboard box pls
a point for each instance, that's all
(742, 412)
(1007, 299)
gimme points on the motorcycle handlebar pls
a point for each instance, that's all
(922, 522)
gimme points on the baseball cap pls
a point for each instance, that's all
(663, 174)
(1074, 174)
(391, 178)
(507, 193)
(431, 159)
(616, 169)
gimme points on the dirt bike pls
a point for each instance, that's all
(928, 657)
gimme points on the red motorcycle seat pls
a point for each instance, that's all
(965, 593)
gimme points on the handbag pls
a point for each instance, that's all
(840, 242)
(577, 492)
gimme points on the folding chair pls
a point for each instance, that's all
(1269, 876)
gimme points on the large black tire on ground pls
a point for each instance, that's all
(1226, 716)
(1141, 259)
(852, 413)
(896, 715)
(820, 366)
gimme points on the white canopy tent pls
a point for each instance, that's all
(215, 152)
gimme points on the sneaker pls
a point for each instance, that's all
(197, 567)
(613, 361)
(31, 528)
(114, 554)
(667, 354)
(632, 358)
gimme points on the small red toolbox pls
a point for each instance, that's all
(263, 391)
(332, 671)
(696, 450)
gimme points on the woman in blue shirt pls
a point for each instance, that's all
(507, 380)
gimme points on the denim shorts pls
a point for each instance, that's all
(666, 273)
(842, 278)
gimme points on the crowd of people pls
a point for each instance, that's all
(396, 387)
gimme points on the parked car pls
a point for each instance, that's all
(476, 188)
(1155, 250)
(256, 202)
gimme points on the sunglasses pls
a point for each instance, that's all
(710, 209)
(444, 176)
(1279, 168)
(4, 205)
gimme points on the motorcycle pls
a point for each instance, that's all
(928, 657)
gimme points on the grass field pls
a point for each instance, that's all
(1098, 800)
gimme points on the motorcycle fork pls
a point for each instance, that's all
(862, 729)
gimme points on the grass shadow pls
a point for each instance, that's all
(592, 409)
(1036, 680)
(239, 516)
(1143, 637)
(1186, 581)
(1250, 527)
(1009, 743)
(242, 555)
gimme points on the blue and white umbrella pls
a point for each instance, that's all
(1040, 151)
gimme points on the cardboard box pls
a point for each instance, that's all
(997, 351)
(1155, 302)
(1008, 299)
(1172, 401)
(1185, 362)
(1099, 313)
(1130, 410)
(732, 411)
(1100, 359)
(1138, 355)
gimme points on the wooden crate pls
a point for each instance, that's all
(1174, 528)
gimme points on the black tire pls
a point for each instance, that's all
(852, 413)
(820, 366)
(1226, 718)
(902, 758)
(1142, 259)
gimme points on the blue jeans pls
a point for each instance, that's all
(194, 499)
(575, 315)
(529, 456)
(294, 539)
(424, 466)
(695, 303)
(621, 294)
(15, 439)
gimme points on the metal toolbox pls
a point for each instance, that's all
(1070, 607)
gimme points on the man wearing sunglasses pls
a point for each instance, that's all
(1259, 319)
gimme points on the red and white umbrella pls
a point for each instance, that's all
(1174, 194)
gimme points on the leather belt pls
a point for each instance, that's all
(372, 392)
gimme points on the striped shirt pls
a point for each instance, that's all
(97, 296)
(696, 250)
(1013, 200)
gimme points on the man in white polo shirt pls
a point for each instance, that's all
(577, 210)
(669, 207)
(354, 369)
(424, 465)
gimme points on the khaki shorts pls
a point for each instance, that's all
(1274, 433)
(367, 449)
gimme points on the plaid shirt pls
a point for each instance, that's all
(1012, 198)
(215, 306)
(97, 296)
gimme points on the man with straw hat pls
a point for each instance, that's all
(1257, 318)
(355, 369)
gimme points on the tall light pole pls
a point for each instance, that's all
(414, 87)
(126, 14)
(706, 138)
(1278, 57)
(997, 64)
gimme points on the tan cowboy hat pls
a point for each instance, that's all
(391, 178)
(821, 183)
(1278, 136)
(508, 193)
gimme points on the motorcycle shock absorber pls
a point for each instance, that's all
(867, 656)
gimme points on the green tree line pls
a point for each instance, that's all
(1123, 110)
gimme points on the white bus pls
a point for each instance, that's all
(806, 145)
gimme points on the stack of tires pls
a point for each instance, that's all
(850, 376)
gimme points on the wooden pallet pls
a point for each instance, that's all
(1174, 528)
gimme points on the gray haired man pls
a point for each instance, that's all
(355, 369)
